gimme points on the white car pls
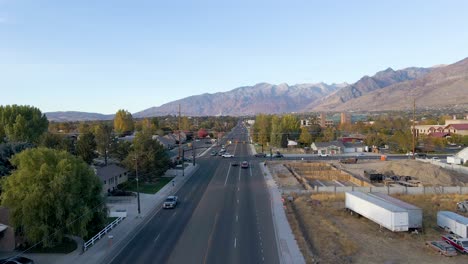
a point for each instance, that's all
(227, 155)
(323, 155)
(170, 202)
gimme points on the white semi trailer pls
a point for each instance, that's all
(453, 222)
(379, 211)
(415, 214)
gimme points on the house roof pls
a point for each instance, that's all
(109, 171)
(439, 134)
(164, 140)
(458, 126)
(329, 144)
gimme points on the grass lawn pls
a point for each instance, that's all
(110, 220)
(150, 188)
(68, 245)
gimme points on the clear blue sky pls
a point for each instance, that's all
(103, 55)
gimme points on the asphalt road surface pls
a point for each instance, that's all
(224, 216)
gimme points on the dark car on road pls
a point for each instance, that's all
(260, 155)
(278, 155)
(245, 164)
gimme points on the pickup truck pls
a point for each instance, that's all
(442, 247)
(460, 244)
(227, 155)
(170, 202)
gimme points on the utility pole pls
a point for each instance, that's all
(193, 154)
(179, 135)
(137, 184)
(183, 163)
(413, 133)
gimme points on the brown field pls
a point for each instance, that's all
(327, 233)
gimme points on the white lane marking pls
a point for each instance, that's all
(238, 201)
(174, 214)
(156, 238)
(235, 242)
(250, 167)
(239, 175)
(238, 189)
(237, 218)
(227, 176)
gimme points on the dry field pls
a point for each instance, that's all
(327, 233)
(427, 173)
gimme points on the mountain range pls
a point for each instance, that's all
(437, 87)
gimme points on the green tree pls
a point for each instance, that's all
(22, 123)
(52, 193)
(121, 149)
(329, 134)
(262, 129)
(104, 139)
(305, 138)
(290, 126)
(8, 150)
(86, 147)
(123, 122)
(51, 140)
(185, 124)
(151, 156)
(276, 131)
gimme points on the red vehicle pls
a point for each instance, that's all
(460, 244)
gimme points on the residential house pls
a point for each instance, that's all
(167, 141)
(459, 129)
(333, 147)
(354, 147)
(463, 154)
(428, 129)
(111, 175)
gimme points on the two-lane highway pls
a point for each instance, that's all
(224, 217)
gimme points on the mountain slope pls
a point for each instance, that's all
(76, 116)
(248, 100)
(367, 85)
(441, 88)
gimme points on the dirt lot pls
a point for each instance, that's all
(427, 173)
(327, 233)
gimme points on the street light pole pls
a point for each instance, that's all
(137, 184)
(193, 154)
(183, 163)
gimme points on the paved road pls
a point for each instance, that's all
(224, 217)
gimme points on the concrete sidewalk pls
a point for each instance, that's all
(287, 245)
(100, 252)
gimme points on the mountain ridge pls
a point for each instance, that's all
(437, 86)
